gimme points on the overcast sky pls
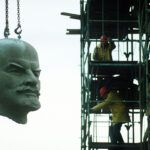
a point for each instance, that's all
(56, 126)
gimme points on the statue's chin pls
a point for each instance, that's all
(20, 117)
(20, 120)
(18, 113)
(31, 106)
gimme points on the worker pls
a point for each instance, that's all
(113, 101)
(103, 52)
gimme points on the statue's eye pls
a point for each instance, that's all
(16, 69)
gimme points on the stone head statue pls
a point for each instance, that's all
(19, 79)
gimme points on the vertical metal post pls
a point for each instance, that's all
(83, 146)
(147, 13)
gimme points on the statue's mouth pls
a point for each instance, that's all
(29, 92)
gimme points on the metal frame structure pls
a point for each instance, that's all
(91, 28)
(128, 24)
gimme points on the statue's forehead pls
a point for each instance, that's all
(17, 51)
(10, 46)
(26, 59)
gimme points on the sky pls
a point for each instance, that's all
(56, 125)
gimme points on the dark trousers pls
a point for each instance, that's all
(115, 135)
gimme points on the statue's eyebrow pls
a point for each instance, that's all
(16, 65)
(13, 64)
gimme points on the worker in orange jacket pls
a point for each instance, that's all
(113, 101)
(103, 52)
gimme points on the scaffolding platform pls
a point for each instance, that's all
(125, 68)
(124, 146)
(120, 75)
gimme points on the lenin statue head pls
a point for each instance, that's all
(19, 79)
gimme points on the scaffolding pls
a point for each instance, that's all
(128, 24)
